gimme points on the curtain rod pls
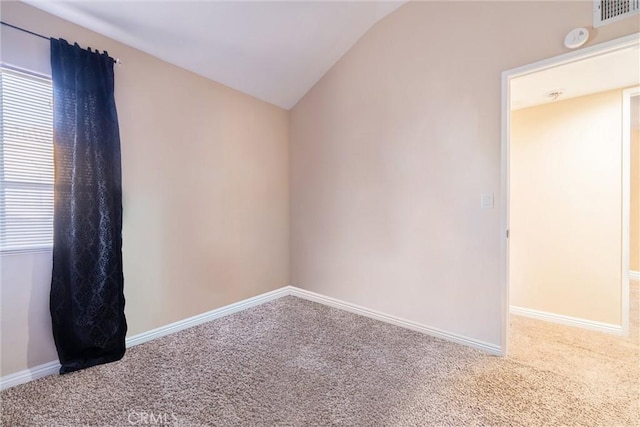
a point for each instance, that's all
(117, 61)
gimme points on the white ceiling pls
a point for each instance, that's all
(273, 50)
(598, 74)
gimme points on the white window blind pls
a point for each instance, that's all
(26, 161)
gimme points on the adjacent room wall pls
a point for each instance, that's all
(634, 229)
(393, 147)
(205, 183)
(566, 207)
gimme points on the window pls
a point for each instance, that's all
(26, 161)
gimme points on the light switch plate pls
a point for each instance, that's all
(486, 200)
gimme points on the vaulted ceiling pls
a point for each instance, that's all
(273, 50)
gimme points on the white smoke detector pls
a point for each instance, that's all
(576, 38)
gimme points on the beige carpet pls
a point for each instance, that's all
(294, 362)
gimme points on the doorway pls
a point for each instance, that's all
(522, 90)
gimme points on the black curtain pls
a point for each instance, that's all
(87, 299)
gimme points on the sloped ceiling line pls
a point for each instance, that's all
(274, 51)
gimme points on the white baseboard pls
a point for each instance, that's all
(53, 367)
(567, 320)
(31, 374)
(634, 275)
(206, 317)
(428, 330)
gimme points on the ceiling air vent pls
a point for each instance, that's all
(608, 11)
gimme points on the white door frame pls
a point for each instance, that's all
(575, 56)
(627, 94)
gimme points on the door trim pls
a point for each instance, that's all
(574, 56)
(627, 94)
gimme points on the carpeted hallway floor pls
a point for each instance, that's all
(294, 362)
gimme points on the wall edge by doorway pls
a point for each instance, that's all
(627, 94)
(632, 40)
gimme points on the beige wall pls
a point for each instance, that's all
(565, 213)
(205, 194)
(634, 229)
(392, 148)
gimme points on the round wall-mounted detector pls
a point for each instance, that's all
(576, 38)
